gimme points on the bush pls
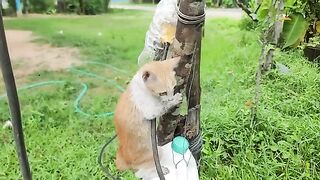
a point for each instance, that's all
(41, 6)
(95, 6)
(221, 3)
(247, 24)
(11, 10)
(69, 6)
(88, 7)
(12, 5)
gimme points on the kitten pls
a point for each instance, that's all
(149, 95)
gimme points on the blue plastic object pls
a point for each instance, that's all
(180, 145)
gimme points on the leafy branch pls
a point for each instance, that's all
(252, 15)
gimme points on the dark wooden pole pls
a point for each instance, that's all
(187, 44)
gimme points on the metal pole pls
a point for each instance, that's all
(14, 106)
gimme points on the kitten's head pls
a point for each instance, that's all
(159, 76)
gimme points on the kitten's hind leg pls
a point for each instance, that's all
(150, 173)
(121, 163)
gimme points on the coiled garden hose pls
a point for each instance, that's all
(77, 102)
(85, 88)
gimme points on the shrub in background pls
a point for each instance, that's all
(88, 7)
(221, 3)
(68, 6)
(41, 6)
(95, 6)
(11, 10)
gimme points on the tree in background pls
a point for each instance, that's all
(25, 9)
(12, 8)
(81, 6)
(300, 20)
(88, 7)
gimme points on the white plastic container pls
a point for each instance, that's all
(177, 159)
(160, 30)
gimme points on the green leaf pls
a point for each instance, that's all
(290, 3)
(294, 29)
(264, 9)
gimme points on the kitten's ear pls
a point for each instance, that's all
(146, 75)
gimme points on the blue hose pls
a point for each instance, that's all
(86, 73)
(30, 86)
(77, 108)
(85, 88)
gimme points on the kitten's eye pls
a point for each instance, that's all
(163, 94)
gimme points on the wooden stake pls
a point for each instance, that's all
(187, 44)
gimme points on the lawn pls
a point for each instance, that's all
(63, 144)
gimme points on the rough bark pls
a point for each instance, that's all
(193, 93)
(187, 45)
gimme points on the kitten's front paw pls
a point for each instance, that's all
(177, 99)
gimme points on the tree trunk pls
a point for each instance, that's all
(25, 7)
(81, 6)
(193, 93)
(61, 6)
(187, 45)
(275, 35)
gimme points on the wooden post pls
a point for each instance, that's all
(187, 44)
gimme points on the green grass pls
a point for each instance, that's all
(282, 144)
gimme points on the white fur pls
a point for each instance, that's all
(150, 105)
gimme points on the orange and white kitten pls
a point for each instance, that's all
(149, 95)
